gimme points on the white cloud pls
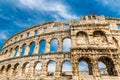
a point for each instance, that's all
(50, 6)
(21, 24)
(3, 35)
(5, 17)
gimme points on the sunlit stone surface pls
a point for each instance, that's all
(85, 49)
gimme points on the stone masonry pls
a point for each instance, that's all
(93, 39)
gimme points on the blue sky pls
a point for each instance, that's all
(17, 15)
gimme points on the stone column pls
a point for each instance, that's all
(44, 69)
(18, 72)
(58, 69)
(31, 70)
(27, 49)
(60, 44)
(117, 69)
(91, 39)
(12, 54)
(73, 40)
(4, 72)
(10, 72)
(47, 46)
(36, 47)
(75, 72)
(95, 70)
(6, 54)
(19, 51)
(61, 27)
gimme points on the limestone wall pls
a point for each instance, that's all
(93, 39)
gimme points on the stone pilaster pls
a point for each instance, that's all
(75, 72)
(11, 71)
(19, 51)
(58, 69)
(31, 70)
(36, 47)
(47, 46)
(95, 70)
(44, 69)
(117, 69)
(12, 54)
(60, 45)
(27, 49)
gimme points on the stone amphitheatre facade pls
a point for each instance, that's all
(93, 39)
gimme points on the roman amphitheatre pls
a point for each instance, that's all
(92, 39)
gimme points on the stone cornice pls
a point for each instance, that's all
(94, 48)
(109, 18)
(39, 55)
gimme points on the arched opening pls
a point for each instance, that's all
(67, 69)
(99, 37)
(15, 69)
(82, 38)
(25, 68)
(89, 17)
(2, 69)
(6, 51)
(51, 68)
(32, 47)
(102, 68)
(42, 46)
(8, 69)
(66, 27)
(116, 42)
(85, 66)
(16, 51)
(66, 45)
(54, 45)
(37, 68)
(108, 66)
(23, 50)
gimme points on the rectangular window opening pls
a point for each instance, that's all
(28, 34)
(36, 32)
(21, 36)
(55, 28)
(118, 26)
(66, 27)
(45, 29)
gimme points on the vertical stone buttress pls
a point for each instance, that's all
(44, 69)
(27, 49)
(47, 46)
(58, 69)
(60, 44)
(31, 70)
(75, 71)
(95, 70)
(36, 47)
(19, 51)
